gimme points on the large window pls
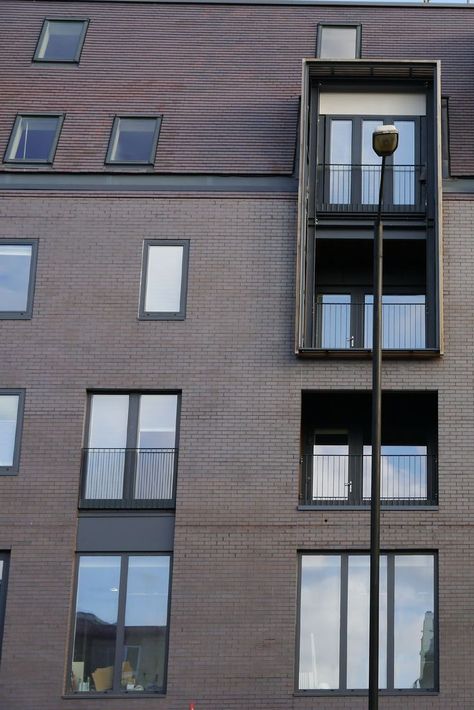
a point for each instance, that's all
(334, 622)
(11, 417)
(34, 139)
(121, 624)
(61, 41)
(131, 450)
(164, 280)
(4, 564)
(17, 276)
(133, 140)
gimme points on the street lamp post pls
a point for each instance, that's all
(384, 143)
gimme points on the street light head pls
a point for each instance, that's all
(385, 140)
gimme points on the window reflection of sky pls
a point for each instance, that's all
(14, 277)
(98, 585)
(320, 621)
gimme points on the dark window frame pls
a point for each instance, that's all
(164, 315)
(54, 144)
(5, 558)
(390, 555)
(340, 25)
(77, 57)
(119, 645)
(14, 468)
(129, 469)
(27, 314)
(158, 118)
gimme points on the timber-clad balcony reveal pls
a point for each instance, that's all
(355, 188)
(343, 103)
(128, 478)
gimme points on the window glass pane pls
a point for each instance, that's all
(403, 321)
(370, 164)
(15, 261)
(403, 472)
(338, 43)
(414, 621)
(320, 621)
(8, 420)
(340, 158)
(107, 443)
(334, 317)
(133, 140)
(95, 623)
(358, 622)
(404, 164)
(163, 279)
(330, 466)
(146, 620)
(60, 41)
(156, 441)
(33, 138)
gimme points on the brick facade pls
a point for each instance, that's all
(238, 531)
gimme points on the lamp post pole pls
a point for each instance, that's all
(384, 141)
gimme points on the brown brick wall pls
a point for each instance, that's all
(232, 642)
(226, 78)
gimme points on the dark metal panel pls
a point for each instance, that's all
(142, 182)
(125, 533)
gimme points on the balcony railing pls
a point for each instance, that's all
(347, 325)
(128, 478)
(406, 480)
(355, 188)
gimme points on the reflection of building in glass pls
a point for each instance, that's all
(426, 679)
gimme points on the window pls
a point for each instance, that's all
(4, 565)
(131, 450)
(34, 139)
(164, 280)
(11, 418)
(17, 278)
(61, 41)
(133, 140)
(334, 622)
(338, 41)
(121, 624)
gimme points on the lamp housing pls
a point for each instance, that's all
(385, 140)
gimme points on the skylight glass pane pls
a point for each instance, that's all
(163, 279)
(60, 41)
(15, 261)
(33, 138)
(338, 42)
(133, 140)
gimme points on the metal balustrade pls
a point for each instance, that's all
(344, 325)
(355, 188)
(346, 480)
(128, 478)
